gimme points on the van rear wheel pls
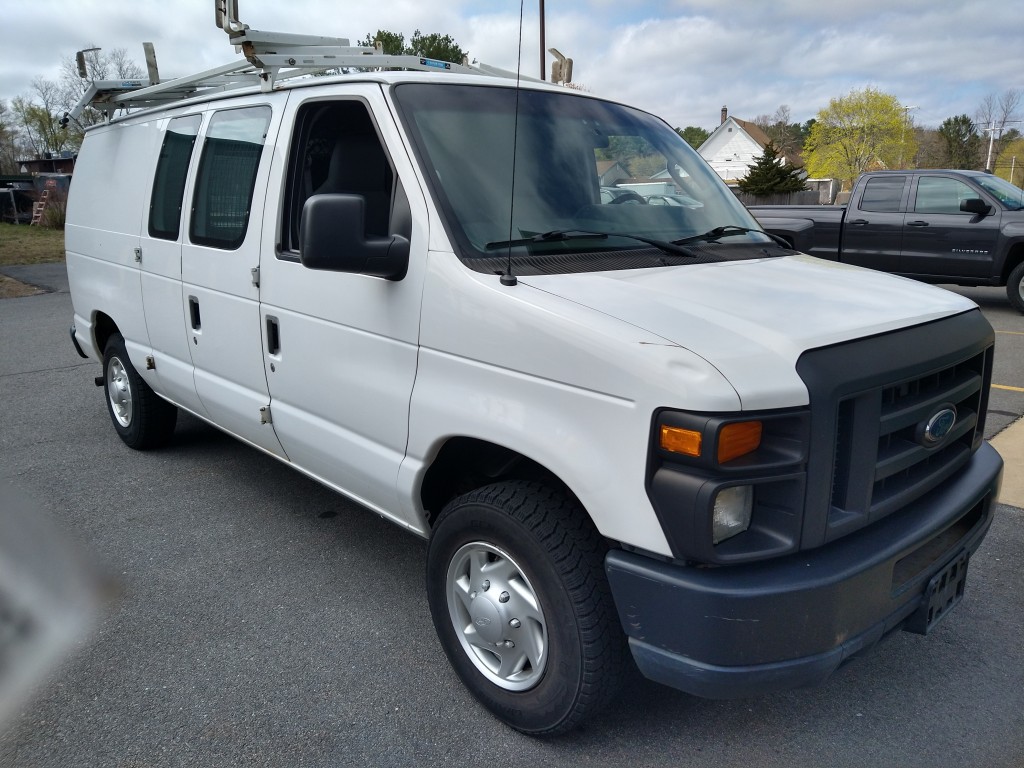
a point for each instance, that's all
(141, 418)
(520, 602)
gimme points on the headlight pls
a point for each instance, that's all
(729, 487)
(733, 507)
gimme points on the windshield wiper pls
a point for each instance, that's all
(725, 231)
(558, 235)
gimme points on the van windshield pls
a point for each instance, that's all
(581, 166)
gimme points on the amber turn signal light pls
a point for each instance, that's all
(738, 439)
(679, 440)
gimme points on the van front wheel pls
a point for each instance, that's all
(141, 418)
(518, 596)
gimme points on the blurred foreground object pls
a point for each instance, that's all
(49, 597)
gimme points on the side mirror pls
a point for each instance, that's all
(976, 206)
(332, 237)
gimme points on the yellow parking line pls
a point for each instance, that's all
(1011, 389)
(1012, 333)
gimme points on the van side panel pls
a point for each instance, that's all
(105, 212)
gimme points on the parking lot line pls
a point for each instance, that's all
(1012, 333)
(1011, 389)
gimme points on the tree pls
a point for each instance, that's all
(1010, 163)
(862, 130)
(436, 46)
(994, 114)
(770, 174)
(432, 46)
(786, 136)
(8, 141)
(960, 142)
(693, 135)
(39, 118)
(393, 43)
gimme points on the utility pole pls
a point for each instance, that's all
(542, 47)
(903, 130)
(991, 140)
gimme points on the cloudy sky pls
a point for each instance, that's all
(681, 59)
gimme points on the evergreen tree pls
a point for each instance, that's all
(769, 175)
(693, 135)
(961, 141)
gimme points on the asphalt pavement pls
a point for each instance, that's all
(257, 619)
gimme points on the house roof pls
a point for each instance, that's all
(756, 134)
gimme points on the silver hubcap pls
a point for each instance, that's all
(497, 616)
(119, 391)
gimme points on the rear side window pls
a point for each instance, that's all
(227, 175)
(883, 193)
(171, 171)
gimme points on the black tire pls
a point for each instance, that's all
(538, 548)
(1015, 287)
(141, 418)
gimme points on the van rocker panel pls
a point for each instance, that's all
(776, 625)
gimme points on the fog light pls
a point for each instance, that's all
(732, 512)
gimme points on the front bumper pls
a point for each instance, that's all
(743, 630)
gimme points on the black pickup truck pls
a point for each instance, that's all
(962, 227)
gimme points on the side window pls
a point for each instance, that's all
(336, 149)
(883, 193)
(227, 175)
(171, 171)
(936, 194)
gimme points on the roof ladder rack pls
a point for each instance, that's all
(270, 58)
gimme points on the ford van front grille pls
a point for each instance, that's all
(912, 416)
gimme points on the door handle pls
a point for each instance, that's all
(858, 221)
(917, 223)
(273, 336)
(193, 313)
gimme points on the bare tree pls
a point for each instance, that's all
(9, 148)
(996, 113)
(778, 127)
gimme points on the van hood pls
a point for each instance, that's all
(753, 319)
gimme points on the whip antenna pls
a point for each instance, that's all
(508, 278)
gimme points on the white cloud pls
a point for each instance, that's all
(682, 59)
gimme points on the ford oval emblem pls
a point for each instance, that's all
(939, 425)
(482, 621)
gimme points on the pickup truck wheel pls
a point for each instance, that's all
(518, 596)
(1015, 287)
(141, 418)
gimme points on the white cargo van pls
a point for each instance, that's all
(627, 431)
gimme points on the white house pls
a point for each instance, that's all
(733, 147)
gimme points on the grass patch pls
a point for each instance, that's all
(22, 244)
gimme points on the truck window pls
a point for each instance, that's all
(883, 193)
(936, 194)
(227, 175)
(171, 171)
(336, 150)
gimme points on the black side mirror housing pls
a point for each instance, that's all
(332, 237)
(976, 206)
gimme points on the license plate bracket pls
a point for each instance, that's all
(944, 591)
